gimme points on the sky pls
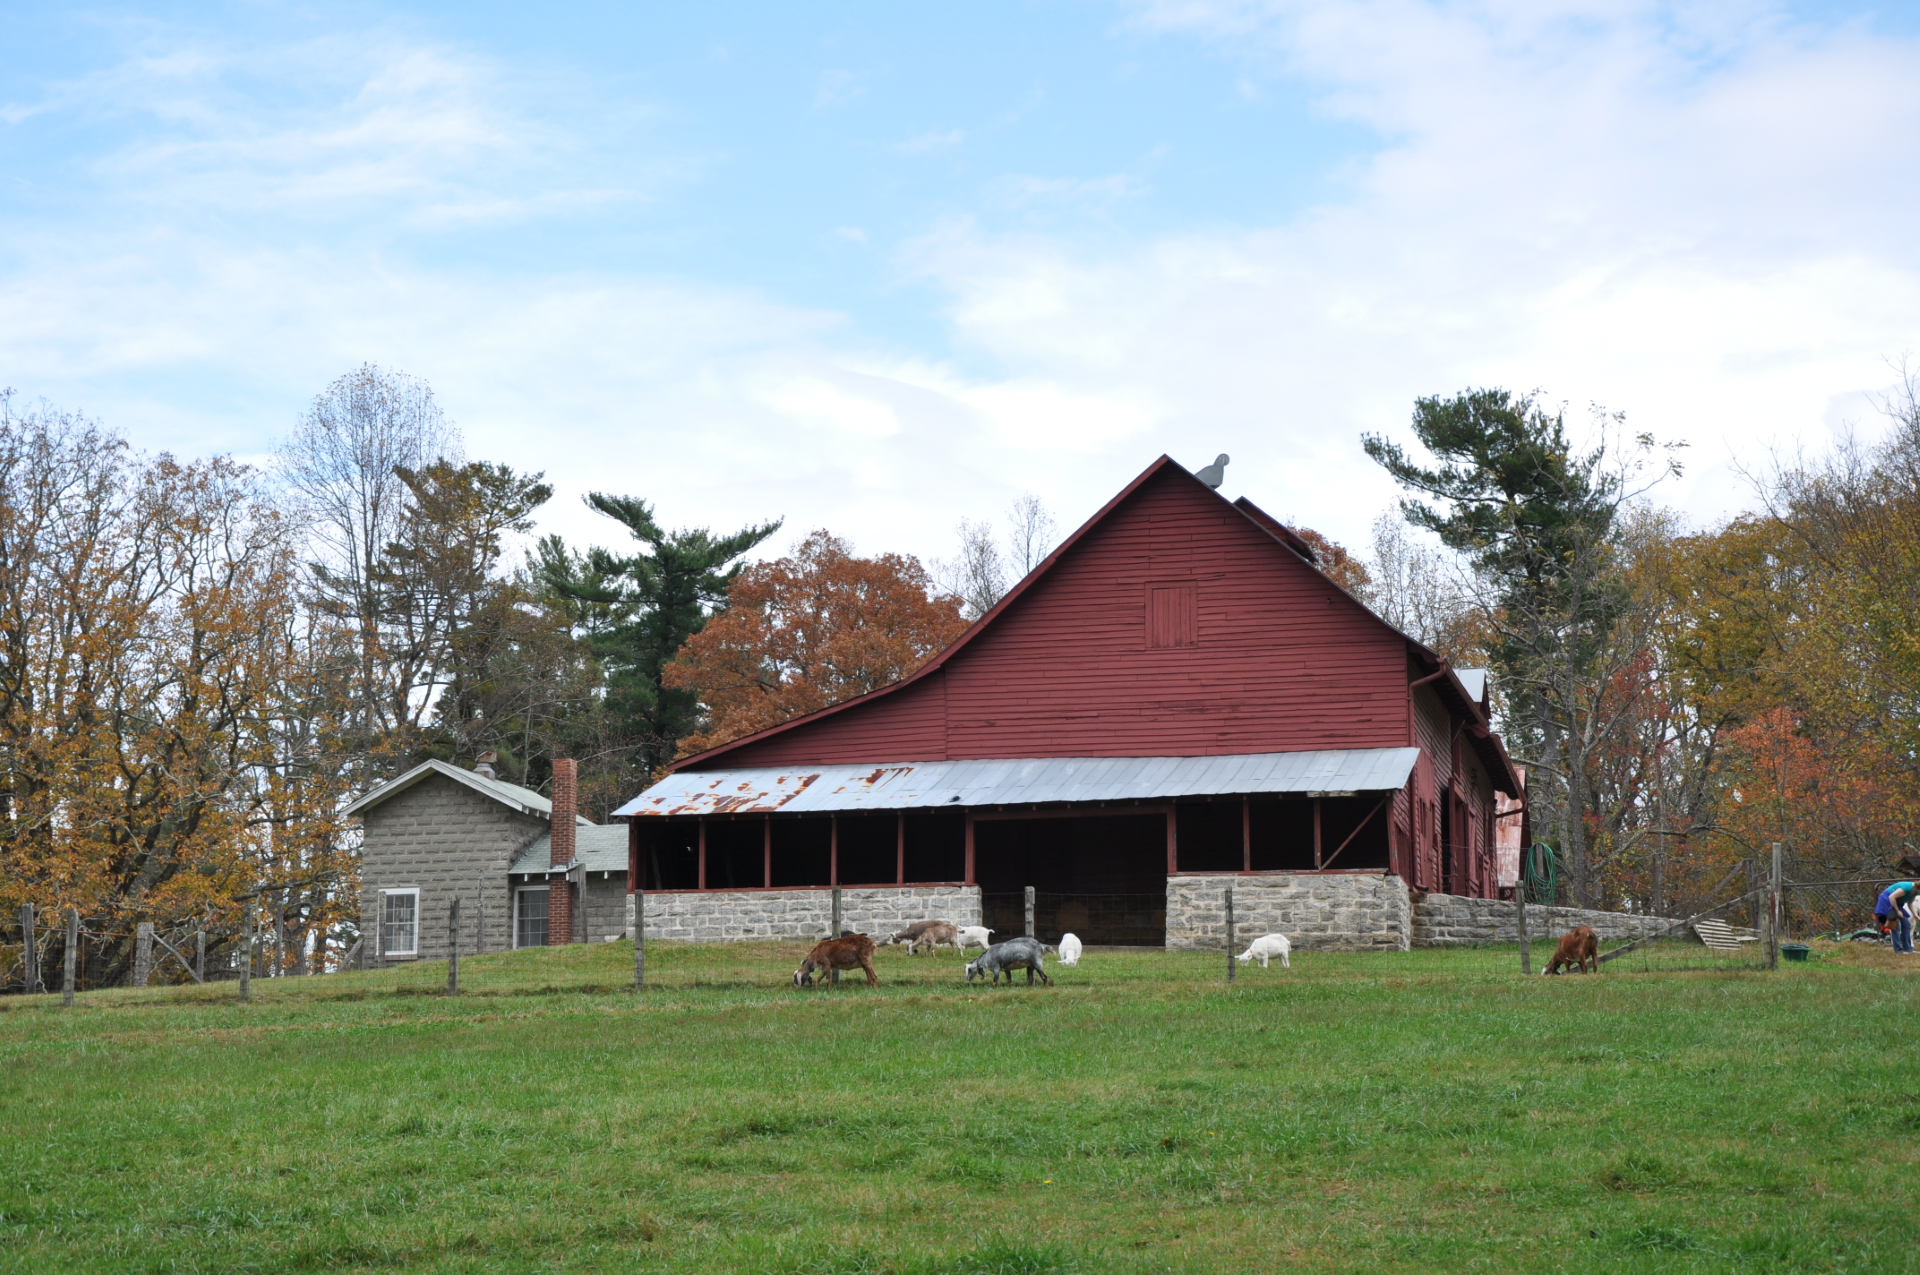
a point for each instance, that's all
(880, 267)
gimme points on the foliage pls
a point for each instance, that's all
(807, 631)
(1420, 1111)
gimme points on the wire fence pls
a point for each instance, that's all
(1101, 920)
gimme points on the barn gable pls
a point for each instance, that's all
(1173, 623)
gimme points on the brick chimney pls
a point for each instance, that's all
(559, 891)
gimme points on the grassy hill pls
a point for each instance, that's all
(1416, 1111)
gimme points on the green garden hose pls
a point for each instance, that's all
(1539, 873)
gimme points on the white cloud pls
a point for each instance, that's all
(929, 143)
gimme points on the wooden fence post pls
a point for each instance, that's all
(246, 957)
(1029, 911)
(639, 939)
(29, 952)
(200, 956)
(1773, 911)
(72, 956)
(143, 954)
(1231, 964)
(833, 978)
(453, 947)
(1520, 913)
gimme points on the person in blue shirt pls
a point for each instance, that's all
(1895, 907)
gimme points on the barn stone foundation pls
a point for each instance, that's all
(1327, 912)
(726, 916)
(1449, 920)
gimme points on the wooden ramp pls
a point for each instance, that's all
(1722, 937)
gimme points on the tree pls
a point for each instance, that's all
(1424, 591)
(979, 575)
(642, 609)
(1538, 522)
(1336, 563)
(807, 631)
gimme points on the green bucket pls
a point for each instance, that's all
(1795, 951)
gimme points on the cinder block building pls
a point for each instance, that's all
(528, 871)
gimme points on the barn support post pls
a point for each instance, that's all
(142, 953)
(69, 957)
(766, 852)
(970, 880)
(900, 849)
(1029, 911)
(1231, 940)
(1316, 834)
(703, 854)
(1173, 841)
(453, 947)
(1773, 911)
(1246, 835)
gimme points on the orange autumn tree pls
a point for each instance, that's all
(810, 630)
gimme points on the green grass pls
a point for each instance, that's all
(1418, 1111)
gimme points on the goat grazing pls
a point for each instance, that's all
(1579, 948)
(849, 951)
(912, 933)
(933, 936)
(1266, 947)
(975, 936)
(1069, 949)
(1014, 954)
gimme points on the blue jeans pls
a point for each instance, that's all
(1902, 933)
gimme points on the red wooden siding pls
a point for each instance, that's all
(1261, 654)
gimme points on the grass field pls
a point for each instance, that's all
(1419, 1111)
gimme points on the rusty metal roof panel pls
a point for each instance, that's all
(1016, 782)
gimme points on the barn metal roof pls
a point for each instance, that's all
(1019, 782)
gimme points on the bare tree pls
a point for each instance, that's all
(1033, 530)
(978, 576)
(343, 465)
(1425, 590)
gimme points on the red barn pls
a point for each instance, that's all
(1176, 700)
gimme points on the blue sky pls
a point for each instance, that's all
(879, 267)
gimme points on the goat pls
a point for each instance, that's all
(975, 936)
(1014, 954)
(933, 936)
(1069, 949)
(1580, 948)
(912, 933)
(1267, 946)
(847, 952)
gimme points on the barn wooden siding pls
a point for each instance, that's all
(1084, 666)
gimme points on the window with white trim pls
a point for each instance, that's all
(530, 916)
(400, 922)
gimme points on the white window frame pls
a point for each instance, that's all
(520, 893)
(382, 923)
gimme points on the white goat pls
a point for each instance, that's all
(1268, 945)
(975, 935)
(1069, 949)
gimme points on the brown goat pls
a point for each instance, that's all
(1579, 948)
(849, 951)
(933, 936)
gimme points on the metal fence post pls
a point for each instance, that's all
(246, 957)
(71, 958)
(453, 947)
(1773, 911)
(834, 975)
(1231, 944)
(1029, 911)
(143, 954)
(200, 956)
(29, 952)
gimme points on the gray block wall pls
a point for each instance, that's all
(1448, 920)
(1317, 912)
(445, 839)
(725, 916)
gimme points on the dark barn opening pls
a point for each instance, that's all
(1103, 877)
(869, 849)
(1211, 835)
(736, 854)
(1340, 816)
(936, 845)
(670, 855)
(802, 850)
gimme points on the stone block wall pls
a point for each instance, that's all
(1448, 920)
(1328, 912)
(725, 916)
(446, 840)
